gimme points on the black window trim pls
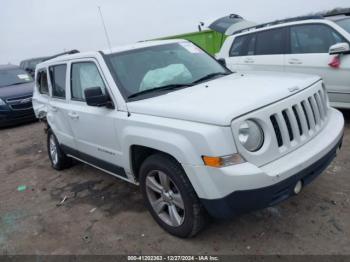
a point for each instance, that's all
(65, 93)
(38, 74)
(71, 78)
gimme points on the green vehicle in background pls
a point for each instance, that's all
(213, 38)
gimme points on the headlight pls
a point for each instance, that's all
(2, 103)
(251, 135)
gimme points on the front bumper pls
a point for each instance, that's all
(10, 117)
(243, 201)
(240, 188)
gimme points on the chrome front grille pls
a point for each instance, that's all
(301, 119)
(287, 124)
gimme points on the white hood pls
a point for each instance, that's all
(221, 100)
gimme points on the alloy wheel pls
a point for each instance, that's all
(165, 198)
(53, 150)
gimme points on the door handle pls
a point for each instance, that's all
(73, 115)
(249, 60)
(295, 62)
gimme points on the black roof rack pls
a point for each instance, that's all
(277, 22)
(71, 52)
(346, 13)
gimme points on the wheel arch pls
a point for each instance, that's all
(139, 153)
(138, 143)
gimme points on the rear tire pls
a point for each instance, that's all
(170, 197)
(58, 158)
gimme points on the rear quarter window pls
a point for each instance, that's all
(42, 82)
(238, 47)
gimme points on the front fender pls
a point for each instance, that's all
(171, 143)
(186, 141)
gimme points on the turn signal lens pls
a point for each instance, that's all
(223, 161)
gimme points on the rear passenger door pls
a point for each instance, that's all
(94, 127)
(309, 47)
(58, 105)
(266, 51)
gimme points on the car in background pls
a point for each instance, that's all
(30, 64)
(16, 91)
(317, 45)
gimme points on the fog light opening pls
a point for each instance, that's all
(298, 187)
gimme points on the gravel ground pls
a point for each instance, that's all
(104, 215)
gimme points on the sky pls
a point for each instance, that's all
(32, 28)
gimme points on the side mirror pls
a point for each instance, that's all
(341, 48)
(95, 97)
(222, 61)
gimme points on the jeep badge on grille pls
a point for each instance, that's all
(293, 89)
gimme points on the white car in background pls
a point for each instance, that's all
(196, 137)
(311, 45)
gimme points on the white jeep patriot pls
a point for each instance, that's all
(197, 138)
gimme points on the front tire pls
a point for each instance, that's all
(170, 197)
(59, 160)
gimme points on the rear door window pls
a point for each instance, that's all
(271, 42)
(313, 38)
(58, 80)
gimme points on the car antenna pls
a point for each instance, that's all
(105, 28)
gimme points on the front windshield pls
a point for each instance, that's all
(163, 65)
(14, 76)
(345, 24)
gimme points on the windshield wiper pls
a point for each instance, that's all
(209, 76)
(157, 89)
(176, 86)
